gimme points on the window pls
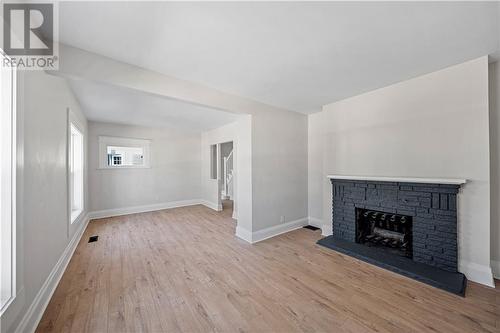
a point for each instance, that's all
(7, 184)
(116, 153)
(125, 156)
(76, 167)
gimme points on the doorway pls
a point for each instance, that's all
(226, 176)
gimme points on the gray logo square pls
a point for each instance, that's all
(41, 33)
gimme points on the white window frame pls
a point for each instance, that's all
(74, 215)
(106, 141)
(8, 158)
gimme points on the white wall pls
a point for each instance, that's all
(315, 168)
(435, 125)
(273, 150)
(43, 230)
(239, 133)
(210, 186)
(494, 80)
(275, 163)
(235, 133)
(174, 174)
(279, 168)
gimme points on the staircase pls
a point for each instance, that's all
(227, 186)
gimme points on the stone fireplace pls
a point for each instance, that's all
(407, 225)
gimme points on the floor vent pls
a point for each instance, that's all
(93, 239)
(310, 227)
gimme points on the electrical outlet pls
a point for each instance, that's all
(282, 219)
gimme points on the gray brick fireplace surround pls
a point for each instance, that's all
(429, 209)
(432, 206)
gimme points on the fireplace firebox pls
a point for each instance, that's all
(387, 231)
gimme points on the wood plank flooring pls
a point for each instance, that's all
(183, 270)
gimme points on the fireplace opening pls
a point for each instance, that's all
(388, 231)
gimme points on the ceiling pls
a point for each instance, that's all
(295, 55)
(106, 103)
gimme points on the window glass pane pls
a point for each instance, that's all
(119, 152)
(125, 156)
(7, 185)
(76, 172)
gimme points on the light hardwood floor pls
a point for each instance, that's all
(183, 270)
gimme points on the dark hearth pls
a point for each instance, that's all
(452, 282)
(398, 226)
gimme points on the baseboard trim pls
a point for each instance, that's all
(260, 235)
(100, 214)
(279, 229)
(315, 222)
(244, 234)
(212, 205)
(326, 229)
(478, 273)
(142, 209)
(35, 312)
(495, 267)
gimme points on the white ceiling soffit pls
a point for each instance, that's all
(294, 55)
(106, 103)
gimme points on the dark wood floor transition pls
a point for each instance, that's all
(183, 270)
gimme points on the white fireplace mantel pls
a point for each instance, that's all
(446, 181)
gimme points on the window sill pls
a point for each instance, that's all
(75, 215)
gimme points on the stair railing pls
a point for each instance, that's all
(228, 172)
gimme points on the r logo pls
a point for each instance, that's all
(28, 29)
